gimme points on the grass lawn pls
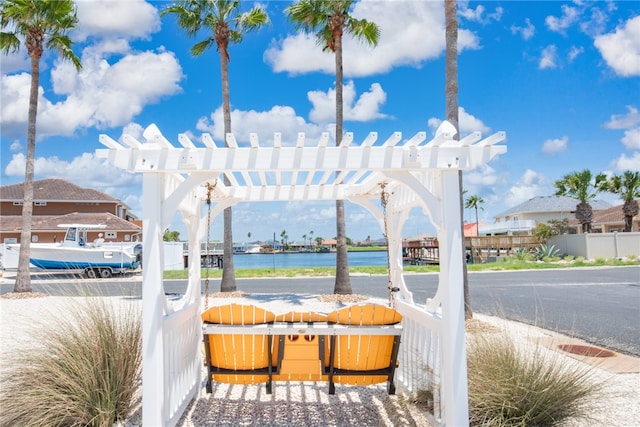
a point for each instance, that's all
(509, 264)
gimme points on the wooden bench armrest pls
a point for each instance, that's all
(322, 328)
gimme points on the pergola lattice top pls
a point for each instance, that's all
(301, 170)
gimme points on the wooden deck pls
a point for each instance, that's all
(480, 249)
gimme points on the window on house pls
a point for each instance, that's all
(39, 203)
(17, 203)
(111, 235)
(34, 238)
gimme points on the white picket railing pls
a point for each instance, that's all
(420, 354)
(182, 360)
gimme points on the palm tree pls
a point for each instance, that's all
(451, 107)
(475, 202)
(304, 239)
(329, 20)
(39, 24)
(283, 236)
(311, 239)
(627, 186)
(223, 23)
(583, 187)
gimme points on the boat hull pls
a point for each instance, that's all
(64, 258)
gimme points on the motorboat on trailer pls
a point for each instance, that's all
(95, 259)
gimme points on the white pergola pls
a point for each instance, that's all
(412, 172)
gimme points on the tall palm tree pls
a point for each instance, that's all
(583, 187)
(39, 25)
(451, 107)
(329, 20)
(475, 202)
(627, 186)
(223, 23)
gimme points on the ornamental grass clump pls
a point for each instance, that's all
(84, 370)
(509, 386)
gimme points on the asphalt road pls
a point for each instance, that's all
(598, 305)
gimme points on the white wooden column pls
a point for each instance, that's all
(454, 355)
(153, 403)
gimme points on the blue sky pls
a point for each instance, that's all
(561, 78)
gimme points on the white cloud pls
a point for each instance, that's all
(557, 145)
(15, 146)
(574, 52)
(478, 14)
(281, 119)
(106, 19)
(548, 57)
(630, 122)
(14, 107)
(529, 185)
(15, 61)
(621, 49)
(597, 22)
(484, 176)
(284, 119)
(624, 162)
(361, 109)
(102, 95)
(133, 129)
(624, 121)
(420, 37)
(527, 31)
(115, 83)
(467, 123)
(631, 139)
(570, 15)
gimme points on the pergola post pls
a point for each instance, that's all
(454, 355)
(153, 400)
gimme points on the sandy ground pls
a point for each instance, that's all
(309, 404)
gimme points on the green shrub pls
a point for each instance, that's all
(546, 251)
(568, 258)
(523, 254)
(84, 371)
(579, 260)
(600, 261)
(508, 387)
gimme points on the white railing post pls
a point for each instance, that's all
(153, 408)
(454, 364)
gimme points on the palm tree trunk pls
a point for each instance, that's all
(228, 282)
(451, 96)
(343, 282)
(477, 225)
(23, 277)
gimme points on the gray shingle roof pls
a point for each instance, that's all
(551, 204)
(54, 189)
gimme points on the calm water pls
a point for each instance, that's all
(295, 260)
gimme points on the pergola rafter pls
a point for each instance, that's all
(413, 173)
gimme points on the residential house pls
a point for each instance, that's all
(57, 201)
(609, 220)
(523, 218)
